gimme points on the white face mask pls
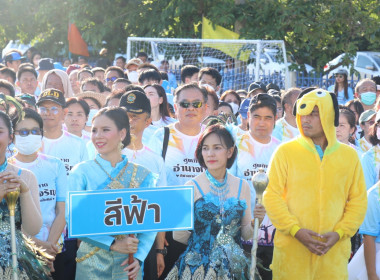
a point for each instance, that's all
(235, 107)
(91, 116)
(378, 133)
(133, 76)
(29, 144)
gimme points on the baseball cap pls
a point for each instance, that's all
(341, 72)
(28, 99)
(135, 102)
(13, 56)
(244, 108)
(367, 115)
(53, 95)
(134, 61)
(377, 117)
(256, 85)
(45, 64)
(272, 86)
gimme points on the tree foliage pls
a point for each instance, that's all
(314, 31)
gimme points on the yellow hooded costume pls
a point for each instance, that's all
(320, 195)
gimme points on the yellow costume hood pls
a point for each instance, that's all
(328, 112)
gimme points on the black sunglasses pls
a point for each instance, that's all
(195, 104)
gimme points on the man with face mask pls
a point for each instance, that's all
(70, 149)
(52, 180)
(131, 68)
(365, 90)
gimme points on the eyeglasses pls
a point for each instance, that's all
(112, 79)
(25, 132)
(43, 111)
(195, 104)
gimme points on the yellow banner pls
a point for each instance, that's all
(208, 32)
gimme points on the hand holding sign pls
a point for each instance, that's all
(127, 245)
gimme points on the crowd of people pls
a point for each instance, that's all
(78, 127)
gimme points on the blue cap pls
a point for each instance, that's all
(244, 108)
(13, 56)
(59, 66)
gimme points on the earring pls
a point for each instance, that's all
(120, 145)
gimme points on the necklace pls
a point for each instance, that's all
(115, 182)
(221, 189)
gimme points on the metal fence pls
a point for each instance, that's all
(323, 81)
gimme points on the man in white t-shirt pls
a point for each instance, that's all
(255, 149)
(286, 127)
(139, 110)
(190, 104)
(70, 149)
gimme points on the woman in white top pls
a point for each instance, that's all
(159, 104)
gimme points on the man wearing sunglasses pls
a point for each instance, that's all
(180, 162)
(112, 74)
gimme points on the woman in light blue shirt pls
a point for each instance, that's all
(340, 88)
(106, 257)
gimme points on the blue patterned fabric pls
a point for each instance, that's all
(214, 247)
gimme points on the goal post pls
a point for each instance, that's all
(240, 62)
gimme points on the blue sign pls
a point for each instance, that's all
(125, 211)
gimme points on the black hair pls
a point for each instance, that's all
(84, 58)
(189, 86)
(234, 93)
(134, 87)
(26, 68)
(350, 116)
(93, 100)
(224, 136)
(164, 109)
(122, 58)
(286, 98)
(212, 72)
(150, 75)
(30, 114)
(211, 94)
(9, 86)
(93, 81)
(122, 80)
(146, 66)
(120, 117)
(6, 71)
(81, 102)
(164, 75)
(242, 91)
(262, 100)
(188, 71)
(358, 106)
(84, 70)
(225, 104)
(345, 86)
(144, 54)
(98, 69)
(116, 94)
(376, 79)
(117, 69)
(33, 55)
(8, 123)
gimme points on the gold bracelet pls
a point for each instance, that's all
(78, 260)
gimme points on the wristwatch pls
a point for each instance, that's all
(162, 251)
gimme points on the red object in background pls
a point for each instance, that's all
(76, 43)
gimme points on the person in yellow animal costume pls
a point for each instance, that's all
(316, 197)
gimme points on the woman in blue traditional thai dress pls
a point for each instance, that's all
(27, 212)
(222, 214)
(106, 257)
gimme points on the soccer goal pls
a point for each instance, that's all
(240, 62)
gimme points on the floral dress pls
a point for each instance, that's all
(214, 250)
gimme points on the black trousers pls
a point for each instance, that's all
(150, 264)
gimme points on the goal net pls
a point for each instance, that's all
(240, 62)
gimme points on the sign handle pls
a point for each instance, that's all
(130, 256)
